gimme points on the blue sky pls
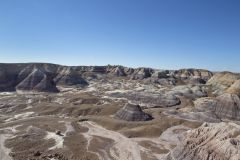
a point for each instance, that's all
(167, 34)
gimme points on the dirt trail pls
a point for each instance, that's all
(122, 148)
(7, 133)
(130, 148)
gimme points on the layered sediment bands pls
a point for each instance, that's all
(226, 106)
(148, 99)
(70, 77)
(219, 141)
(191, 91)
(37, 81)
(17, 76)
(131, 112)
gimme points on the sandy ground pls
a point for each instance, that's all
(122, 149)
(6, 133)
(101, 136)
(4, 152)
(59, 139)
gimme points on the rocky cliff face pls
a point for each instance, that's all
(45, 77)
(37, 77)
(193, 75)
(37, 80)
(219, 141)
(68, 77)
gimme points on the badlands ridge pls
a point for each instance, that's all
(54, 112)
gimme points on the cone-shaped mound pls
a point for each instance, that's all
(131, 112)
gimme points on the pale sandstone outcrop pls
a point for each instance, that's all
(219, 141)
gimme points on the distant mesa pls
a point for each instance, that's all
(194, 76)
(131, 112)
(44, 77)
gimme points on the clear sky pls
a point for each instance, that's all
(168, 34)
